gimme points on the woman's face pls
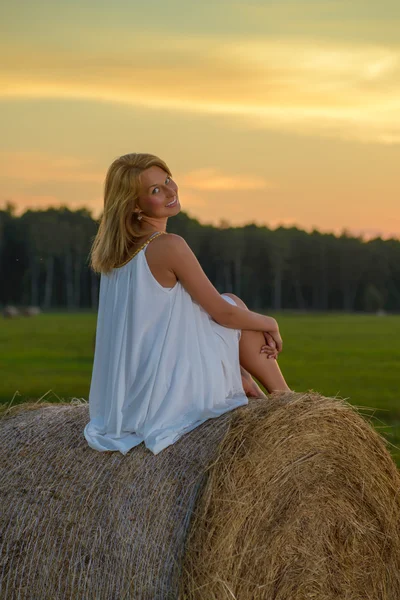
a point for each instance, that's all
(156, 191)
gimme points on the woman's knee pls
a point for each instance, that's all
(238, 300)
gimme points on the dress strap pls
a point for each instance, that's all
(151, 238)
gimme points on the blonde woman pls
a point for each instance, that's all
(171, 351)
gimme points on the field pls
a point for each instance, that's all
(356, 357)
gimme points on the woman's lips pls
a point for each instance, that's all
(173, 204)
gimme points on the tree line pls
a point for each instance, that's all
(44, 258)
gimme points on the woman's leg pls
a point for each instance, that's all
(250, 387)
(265, 370)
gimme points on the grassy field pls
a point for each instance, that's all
(356, 357)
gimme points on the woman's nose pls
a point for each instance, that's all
(172, 193)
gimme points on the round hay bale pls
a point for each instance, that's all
(31, 311)
(10, 312)
(291, 497)
(80, 524)
(303, 502)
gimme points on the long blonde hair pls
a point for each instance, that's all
(119, 227)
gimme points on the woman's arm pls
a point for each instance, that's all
(182, 261)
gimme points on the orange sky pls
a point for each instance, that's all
(268, 112)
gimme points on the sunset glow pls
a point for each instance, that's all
(267, 112)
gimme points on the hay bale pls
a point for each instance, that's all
(291, 497)
(31, 311)
(10, 312)
(303, 502)
(76, 523)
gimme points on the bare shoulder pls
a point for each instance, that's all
(172, 240)
(173, 236)
(162, 246)
(173, 246)
(168, 245)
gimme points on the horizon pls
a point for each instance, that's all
(365, 236)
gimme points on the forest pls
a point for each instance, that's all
(44, 261)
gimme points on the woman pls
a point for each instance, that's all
(171, 352)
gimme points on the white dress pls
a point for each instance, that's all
(162, 365)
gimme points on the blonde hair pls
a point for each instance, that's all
(119, 227)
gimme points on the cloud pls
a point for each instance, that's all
(212, 180)
(40, 167)
(309, 88)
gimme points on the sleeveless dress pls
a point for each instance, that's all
(162, 365)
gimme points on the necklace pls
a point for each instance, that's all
(141, 248)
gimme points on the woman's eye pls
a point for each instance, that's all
(157, 188)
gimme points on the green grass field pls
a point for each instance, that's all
(356, 357)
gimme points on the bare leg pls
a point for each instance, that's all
(251, 388)
(266, 370)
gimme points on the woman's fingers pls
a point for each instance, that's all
(270, 350)
(271, 345)
(269, 339)
(270, 353)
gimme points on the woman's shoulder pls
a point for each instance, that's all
(158, 239)
(167, 241)
(161, 247)
(171, 237)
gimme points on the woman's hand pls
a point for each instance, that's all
(273, 346)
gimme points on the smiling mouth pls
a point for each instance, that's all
(172, 203)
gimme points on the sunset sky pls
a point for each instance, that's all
(269, 112)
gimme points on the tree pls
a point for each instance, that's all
(44, 260)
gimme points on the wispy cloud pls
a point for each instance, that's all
(40, 167)
(343, 91)
(212, 180)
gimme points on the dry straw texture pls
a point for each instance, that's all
(292, 497)
(303, 503)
